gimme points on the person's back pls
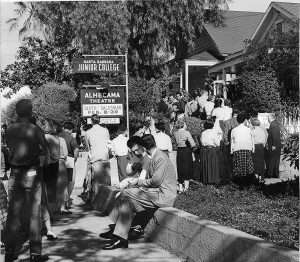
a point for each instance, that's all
(162, 172)
(98, 138)
(24, 143)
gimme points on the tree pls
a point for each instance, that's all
(36, 63)
(259, 90)
(151, 31)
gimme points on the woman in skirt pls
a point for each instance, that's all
(184, 158)
(260, 140)
(62, 179)
(209, 160)
(242, 148)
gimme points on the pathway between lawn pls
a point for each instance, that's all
(79, 240)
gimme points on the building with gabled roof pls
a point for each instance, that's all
(219, 50)
(280, 16)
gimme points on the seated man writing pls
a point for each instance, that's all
(159, 190)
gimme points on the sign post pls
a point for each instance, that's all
(127, 102)
(108, 104)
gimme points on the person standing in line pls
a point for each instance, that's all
(120, 151)
(192, 107)
(209, 159)
(181, 101)
(51, 171)
(162, 140)
(228, 126)
(209, 106)
(159, 190)
(97, 139)
(273, 147)
(242, 147)
(228, 109)
(73, 153)
(254, 116)
(45, 216)
(62, 179)
(202, 101)
(184, 158)
(26, 143)
(162, 106)
(260, 140)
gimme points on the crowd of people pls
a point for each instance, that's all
(40, 158)
(233, 145)
(39, 162)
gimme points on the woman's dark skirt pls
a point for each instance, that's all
(209, 165)
(259, 160)
(184, 160)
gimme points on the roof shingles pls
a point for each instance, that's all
(238, 26)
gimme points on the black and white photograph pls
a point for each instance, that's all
(149, 131)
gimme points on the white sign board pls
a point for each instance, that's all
(102, 109)
(263, 118)
(109, 120)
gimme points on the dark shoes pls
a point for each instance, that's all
(38, 258)
(116, 242)
(10, 257)
(108, 234)
(134, 233)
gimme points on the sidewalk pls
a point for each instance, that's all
(79, 241)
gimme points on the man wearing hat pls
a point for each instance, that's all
(97, 139)
(26, 143)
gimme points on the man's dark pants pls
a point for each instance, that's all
(273, 162)
(24, 187)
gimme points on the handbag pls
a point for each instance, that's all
(188, 144)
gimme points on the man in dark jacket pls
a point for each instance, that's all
(273, 147)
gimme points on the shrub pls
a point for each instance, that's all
(259, 90)
(291, 150)
(52, 101)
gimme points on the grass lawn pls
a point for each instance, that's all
(272, 217)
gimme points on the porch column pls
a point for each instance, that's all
(186, 71)
(225, 87)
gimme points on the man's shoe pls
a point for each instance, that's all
(10, 257)
(115, 243)
(38, 258)
(108, 234)
(135, 233)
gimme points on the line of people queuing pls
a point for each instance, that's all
(233, 145)
(39, 163)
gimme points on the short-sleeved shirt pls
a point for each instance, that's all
(97, 138)
(70, 141)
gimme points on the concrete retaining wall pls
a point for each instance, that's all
(199, 240)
